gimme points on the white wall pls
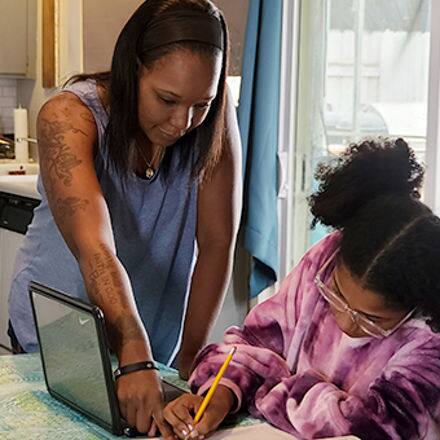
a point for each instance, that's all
(30, 92)
(8, 101)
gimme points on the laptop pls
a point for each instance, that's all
(76, 359)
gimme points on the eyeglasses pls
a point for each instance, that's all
(336, 301)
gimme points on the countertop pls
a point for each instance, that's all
(25, 186)
(27, 411)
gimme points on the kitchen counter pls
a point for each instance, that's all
(25, 186)
(28, 411)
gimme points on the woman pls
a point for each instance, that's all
(351, 342)
(139, 165)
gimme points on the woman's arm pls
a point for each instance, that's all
(270, 332)
(260, 346)
(219, 209)
(67, 135)
(66, 138)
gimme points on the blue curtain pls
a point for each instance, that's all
(258, 120)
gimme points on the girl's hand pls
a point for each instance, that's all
(141, 402)
(180, 413)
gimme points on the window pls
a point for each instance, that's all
(363, 70)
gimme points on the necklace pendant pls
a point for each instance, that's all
(149, 173)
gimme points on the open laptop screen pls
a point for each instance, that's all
(71, 355)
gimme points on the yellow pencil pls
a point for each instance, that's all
(214, 385)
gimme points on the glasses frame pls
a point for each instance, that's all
(340, 304)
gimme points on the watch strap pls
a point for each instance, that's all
(131, 368)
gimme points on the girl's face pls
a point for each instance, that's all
(175, 94)
(365, 302)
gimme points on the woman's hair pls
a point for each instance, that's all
(131, 51)
(390, 240)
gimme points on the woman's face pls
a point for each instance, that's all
(175, 94)
(364, 301)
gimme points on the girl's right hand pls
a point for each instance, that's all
(180, 413)
(141, 402)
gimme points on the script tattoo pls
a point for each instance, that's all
(106, 286)
(104, 279)
(58, 158)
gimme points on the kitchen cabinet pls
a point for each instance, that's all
(18, 38)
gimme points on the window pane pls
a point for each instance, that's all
(363, 72)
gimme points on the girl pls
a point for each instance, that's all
(350, 343)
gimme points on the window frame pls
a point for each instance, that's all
(432, 182)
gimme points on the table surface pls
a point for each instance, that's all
(27, 411)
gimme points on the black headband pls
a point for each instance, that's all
(177, 26)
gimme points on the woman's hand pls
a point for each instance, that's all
(141, 402)
(180, 413)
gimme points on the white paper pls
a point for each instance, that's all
(21, 131)
(260, 431)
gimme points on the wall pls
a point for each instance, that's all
(235, 13)
(104, 19)
(30, 92)
(8, 101)
(102, 23)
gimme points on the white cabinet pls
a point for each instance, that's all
(18, 37)
(9, 244)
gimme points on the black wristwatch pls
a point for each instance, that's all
(131, 368)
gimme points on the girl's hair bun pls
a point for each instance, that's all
(367, 170)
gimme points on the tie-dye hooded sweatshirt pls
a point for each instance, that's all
(295, 368)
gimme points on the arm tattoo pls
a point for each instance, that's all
(104, 280)
(58, 159)
(67, 207)
(124, 329)
(106, 286)
(85, 116)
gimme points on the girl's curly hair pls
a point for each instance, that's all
(390, 239)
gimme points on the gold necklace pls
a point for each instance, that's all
(150, 171)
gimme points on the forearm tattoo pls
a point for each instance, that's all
(106, 287)
(67, 207)
(104, 278)
(124, 329)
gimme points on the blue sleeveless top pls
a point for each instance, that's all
(154, 224)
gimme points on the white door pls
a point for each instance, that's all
(9, 244)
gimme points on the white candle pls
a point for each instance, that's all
(21, 131)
